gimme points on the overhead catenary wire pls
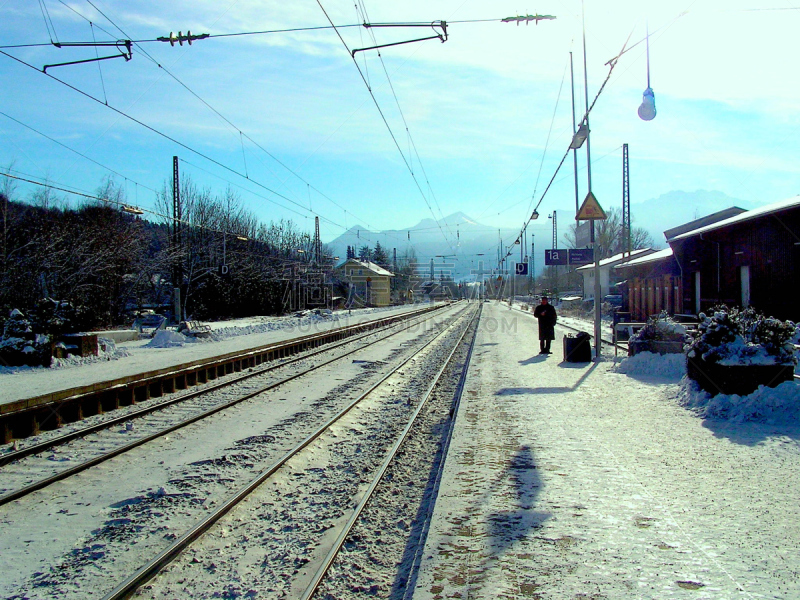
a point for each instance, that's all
(48, 22)
(124, 206)
(269, 31)
(405, 124)
(364, 24)
(246, 174)
(239, 130)
(227, 121)
(55, 141)
(612, 63)
(547, 141)
(158, 132)
(383, 117)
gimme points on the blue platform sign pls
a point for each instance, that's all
(521, 269)
(581, 256)
(555, 257)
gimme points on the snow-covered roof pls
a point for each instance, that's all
(617, 258)
(377, 269)
(641, 260)
(745, 216)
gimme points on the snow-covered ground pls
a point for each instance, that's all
(615, 479)
(82, 535)
(130, 358)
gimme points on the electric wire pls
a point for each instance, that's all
(123, 206)
(547, 141)
(99, 68)
(612, 63)
(268, 31)
(383, 117)
(55, 141)
(156, 131)
(405, 124)
(229, 182)
(225, 119)
(48, 21)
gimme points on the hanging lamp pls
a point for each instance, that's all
(647, 109)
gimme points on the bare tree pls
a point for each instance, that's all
(609, 235)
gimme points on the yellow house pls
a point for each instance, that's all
(370, 284)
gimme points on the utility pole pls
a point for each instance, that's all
(574, 131)
(176, 241)
(596, 250)
(533, 263)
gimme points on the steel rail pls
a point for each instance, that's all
(419, 548)
(129, 586)
(9, 457)
(42, 483)
(390, 456)
(173, 376)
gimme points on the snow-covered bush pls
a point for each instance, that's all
(19, 344)
(730, 336)
(660, 328)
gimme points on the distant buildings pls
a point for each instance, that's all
(606, 269)
(369, 284)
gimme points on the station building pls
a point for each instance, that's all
(369, 284)
(736, 257)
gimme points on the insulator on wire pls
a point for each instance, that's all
(180, 38)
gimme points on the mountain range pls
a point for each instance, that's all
(458, 243)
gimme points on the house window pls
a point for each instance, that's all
(361, 271)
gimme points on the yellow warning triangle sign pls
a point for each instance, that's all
(590, 210)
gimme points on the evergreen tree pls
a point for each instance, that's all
(379, 256)
(365, 253)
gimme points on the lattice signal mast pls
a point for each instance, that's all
(626, 201)
(317, 245)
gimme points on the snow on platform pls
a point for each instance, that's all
(141, 356)
(603, 480)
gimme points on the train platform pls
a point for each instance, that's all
(132, 358)
(587, 480)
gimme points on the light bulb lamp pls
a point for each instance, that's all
(647, 109)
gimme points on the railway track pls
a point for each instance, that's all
(299, 454)
(155, 512)
(50, 412)
(201, 411)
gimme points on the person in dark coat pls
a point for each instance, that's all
(547, 323)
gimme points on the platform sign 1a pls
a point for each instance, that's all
(521, 269)
(581, 256)
(555, 257)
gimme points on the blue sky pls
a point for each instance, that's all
(487, 112)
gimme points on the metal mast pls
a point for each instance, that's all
(176, 239)
(626, 202)
(317, 246)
